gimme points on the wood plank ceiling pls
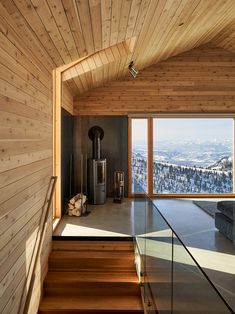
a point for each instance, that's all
(61, 31)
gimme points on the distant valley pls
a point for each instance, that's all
(187, 168)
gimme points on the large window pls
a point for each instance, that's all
(190, 155)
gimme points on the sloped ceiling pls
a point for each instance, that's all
(226, 38)
(61, 31)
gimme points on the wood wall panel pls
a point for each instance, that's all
(201, 80)
(67, 99)
(25, 153)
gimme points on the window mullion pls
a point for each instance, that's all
(233, 159)
(150, 156)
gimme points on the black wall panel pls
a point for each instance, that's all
(113, 146)
(66, 154)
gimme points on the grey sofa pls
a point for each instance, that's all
(225, 219)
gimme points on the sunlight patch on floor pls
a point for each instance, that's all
(162, 233)
(206, 259)
(80, 231)
(214, 260)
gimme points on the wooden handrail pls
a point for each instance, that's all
(30, 277)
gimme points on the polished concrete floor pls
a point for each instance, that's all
(111, 219)
(214, 253)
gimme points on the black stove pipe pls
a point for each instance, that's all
(96, 134)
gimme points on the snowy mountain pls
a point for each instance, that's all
(224, 164)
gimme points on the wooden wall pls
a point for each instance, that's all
(25, 163)
(201, 80)
(67, 99)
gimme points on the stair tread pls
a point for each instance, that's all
(80, 260)
(83, 276)
(90, 255)
(93, 245)
(118, 303)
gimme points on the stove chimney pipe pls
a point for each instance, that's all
(96, 134)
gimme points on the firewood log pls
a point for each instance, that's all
(70, 206)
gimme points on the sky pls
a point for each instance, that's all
(176, 129)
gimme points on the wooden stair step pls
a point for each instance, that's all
(98, 289)
(91, 304)
(103, 276)
(85, 283)
(87, 260)
(93, 246)
(85, 254)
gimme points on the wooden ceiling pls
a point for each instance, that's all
(61, 31)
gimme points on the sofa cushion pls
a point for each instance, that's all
(224, 224)
(226, 207)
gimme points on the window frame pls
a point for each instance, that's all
(150, 118)
(149, 162)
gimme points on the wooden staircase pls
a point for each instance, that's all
(91, 277)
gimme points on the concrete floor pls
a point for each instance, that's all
(111, 219)
(214, 253)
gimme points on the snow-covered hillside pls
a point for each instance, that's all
(172, 178)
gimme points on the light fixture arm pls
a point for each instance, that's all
(133, 71)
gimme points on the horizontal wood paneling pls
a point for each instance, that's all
(14, 219)
(201, 80)
(25, 152)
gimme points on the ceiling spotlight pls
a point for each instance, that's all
(132, 69)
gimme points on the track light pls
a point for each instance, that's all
(132, 69)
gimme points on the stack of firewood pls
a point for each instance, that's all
(77, 205)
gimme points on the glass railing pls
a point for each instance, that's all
(172, 280)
